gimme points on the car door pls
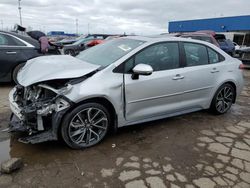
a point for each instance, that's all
(8, 56)
(159, 93)
(200, 74)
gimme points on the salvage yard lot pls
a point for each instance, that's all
(193, 150)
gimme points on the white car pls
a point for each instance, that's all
(237, 47)
(121, 82)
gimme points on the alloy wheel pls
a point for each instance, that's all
(70, 52)
(224, 99)
(88, 127)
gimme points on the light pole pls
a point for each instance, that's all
(77, 26)
(20, 14)
(2, 24)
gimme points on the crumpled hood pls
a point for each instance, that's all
(53, 67)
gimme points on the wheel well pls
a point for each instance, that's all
(13, 69)
(106, 103)
(234, 86)
(19, 63)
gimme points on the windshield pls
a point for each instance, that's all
(110, 51)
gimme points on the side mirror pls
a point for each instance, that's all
(141, 69)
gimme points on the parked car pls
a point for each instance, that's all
(237, 47)
(121, 82)
(225, 44)
(207, 37)
(89, 36)
(78, 46)
(244, 56)
(84, 43)
(95, 42)
(15, 50)
(66, 41)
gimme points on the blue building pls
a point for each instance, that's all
(237, 27)
(224, 24)
(60, 33)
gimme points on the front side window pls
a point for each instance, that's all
(162, 56)
(196, 54)
(3, 40)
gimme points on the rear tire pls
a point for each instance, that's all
(70, 52)
(15, 72)
(85, 126)
(223, 99)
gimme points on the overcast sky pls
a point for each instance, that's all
(114, 16)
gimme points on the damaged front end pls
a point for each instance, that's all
(38, 110)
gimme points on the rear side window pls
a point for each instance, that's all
(7, 40)
(196, 54)
(213, 56)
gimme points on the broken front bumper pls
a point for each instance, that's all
(41, 123)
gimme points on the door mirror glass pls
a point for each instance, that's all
(143, 69)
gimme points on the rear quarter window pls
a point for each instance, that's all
(214, 57)
(196, 54)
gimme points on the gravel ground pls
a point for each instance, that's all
(193, 150)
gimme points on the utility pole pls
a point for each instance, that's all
(88, 28)
(76, 26)
(20, 14)
(2, 24)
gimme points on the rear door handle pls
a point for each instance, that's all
(178, 77)
(11, 52)
(214, 70)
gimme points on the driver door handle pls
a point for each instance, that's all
(178, 77)
(11, 52)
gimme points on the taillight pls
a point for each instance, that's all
(241, 66)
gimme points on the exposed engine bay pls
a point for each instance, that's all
(38, 108)
(35, 106)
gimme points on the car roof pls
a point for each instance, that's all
(164, 38)
(196, 34)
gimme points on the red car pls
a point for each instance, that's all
(95, 42)
(205, 35)
(99, 41)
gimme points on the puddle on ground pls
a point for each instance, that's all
(43, 153)
(4, 150)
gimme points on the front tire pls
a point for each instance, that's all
(223, 99)
(85, 126)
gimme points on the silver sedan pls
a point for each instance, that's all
(121, 82)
